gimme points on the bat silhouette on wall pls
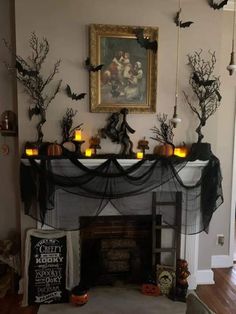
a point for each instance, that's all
(145, 42)
(91, 67)
(217, 6)
(74, 96)
(179, 23)
(25, 72)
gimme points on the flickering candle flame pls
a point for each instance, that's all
(78, 135)
(178, 151)
(31, 151)
(139, 155)
(88, 152)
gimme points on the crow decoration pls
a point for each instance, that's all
(25, 72)
(33, 111)
(200, 82)
(179, 23)
(92, 68)
(217, 6)
(74, 96)
(145, 42)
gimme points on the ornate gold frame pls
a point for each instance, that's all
(99, 32)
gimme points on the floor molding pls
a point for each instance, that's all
(205, 277)
(221, 261)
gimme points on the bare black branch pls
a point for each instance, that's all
(35, 85)
(205, 86)
(164, 133)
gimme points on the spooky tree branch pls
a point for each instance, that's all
(205, 87)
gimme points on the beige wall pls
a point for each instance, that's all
(65, 24)
(9, 207)
(223, 148)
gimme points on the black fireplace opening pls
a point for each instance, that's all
(115, 249)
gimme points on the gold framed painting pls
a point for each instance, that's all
(128, 77)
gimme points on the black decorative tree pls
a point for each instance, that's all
(29, 74)
(205, 87)
(67, 123)
(163, 134)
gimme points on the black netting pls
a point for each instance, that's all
(58, 192)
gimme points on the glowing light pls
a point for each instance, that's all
(139, 155)
(88, 152)
(78, 135)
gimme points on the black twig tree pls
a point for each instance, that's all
(29, 74)
(205, 87)
(163, 134)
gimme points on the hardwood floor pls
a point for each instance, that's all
(221, 297)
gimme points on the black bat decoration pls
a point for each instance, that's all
(91, 67)
(199, 82)
(33, 111)
(180, 23)
(145, 42)
(217, 6)
(74, 96)
(25, 72)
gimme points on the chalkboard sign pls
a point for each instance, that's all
(47, 270)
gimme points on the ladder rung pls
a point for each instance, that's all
(165, 227)
(168, 267)
(166, 203)
(160, 250)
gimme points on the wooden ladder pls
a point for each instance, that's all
(158, 226)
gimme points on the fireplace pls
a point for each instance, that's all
(190, 174)
(115, 248)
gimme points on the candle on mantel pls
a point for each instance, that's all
(88, 152)
(180, 152)
(139, 155)
(31, 151)
(78, 135)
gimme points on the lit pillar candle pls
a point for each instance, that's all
(139, 155)
(180, 152)
(31, 151)
(78, 135)
(88, 152)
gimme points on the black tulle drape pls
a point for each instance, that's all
(58, 195)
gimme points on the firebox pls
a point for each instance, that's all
(115, 249)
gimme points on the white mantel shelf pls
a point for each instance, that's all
(189, 174)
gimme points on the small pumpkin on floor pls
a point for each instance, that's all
(79, 295)
(150, 287)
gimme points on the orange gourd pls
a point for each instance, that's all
(165, 150)
(54, 149)
(150, 289)
(79, 299)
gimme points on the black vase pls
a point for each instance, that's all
(200, 151)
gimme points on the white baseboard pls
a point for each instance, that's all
(221, 261)
(205, 277)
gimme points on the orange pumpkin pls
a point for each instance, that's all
(54, 149)
(150, 289)
(165, 150)
(79, 299)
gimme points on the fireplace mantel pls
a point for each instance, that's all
(189, 174)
